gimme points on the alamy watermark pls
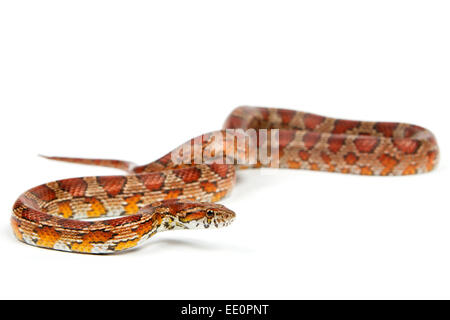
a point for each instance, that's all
(231, 146)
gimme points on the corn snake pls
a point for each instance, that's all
(168, 195)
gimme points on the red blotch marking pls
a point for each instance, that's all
(342, 126)
(312, 121)
(335, 142)
(177, 206)
(124, 220)
(139, 169)
(19, 203)
(366, 144)
(25, 200)
(285, 137)
(386, 128)
(234, 122)
(152, 181)
(264, 113)
(412, 130)
(286, 115)
(76, 186)
(112, 184)
(408, 146)
(34, 215)
(220, 169)
(310, 139)
(44, 193)
(166, 159)
(188, 174)
(73, 224)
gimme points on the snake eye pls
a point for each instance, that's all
(210, 213)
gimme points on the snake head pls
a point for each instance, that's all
(217, 215)
(194, 215)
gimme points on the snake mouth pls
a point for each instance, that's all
(224, 223)
(226, 217)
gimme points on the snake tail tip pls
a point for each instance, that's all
(44, 156)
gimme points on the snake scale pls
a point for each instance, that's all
(106, 214)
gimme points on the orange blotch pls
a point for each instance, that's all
(173, 194)
(126, 245)
(218, 195)
(294, 164)
(304, 155)
(208, 186)
(132, 207)
(351, 158)
(97, 208)
(98, 236)
(91, 238)
(388, 162)
(432, 156)
(64, 209)
(47, 236)
(82, 247)
(326, 158)
(144, 228)
(411, 169)
(366, 171)
(314, 166)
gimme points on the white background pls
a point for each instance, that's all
(134, 79)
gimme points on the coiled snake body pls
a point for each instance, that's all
(167, 195)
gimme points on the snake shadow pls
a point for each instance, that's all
(156, 245)
(252, 181)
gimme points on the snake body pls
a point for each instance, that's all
(168, 195)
